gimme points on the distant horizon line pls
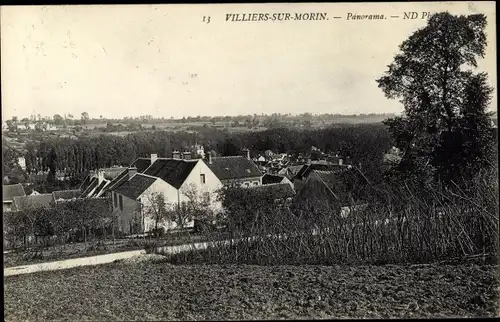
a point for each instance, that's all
(150, 116)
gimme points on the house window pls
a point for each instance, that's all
(115, 201)
(202, 178)
(121, 202)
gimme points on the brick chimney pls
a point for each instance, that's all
(131, 172)
(154, 157)
(209, 158)
(176, 155)
(341, 161)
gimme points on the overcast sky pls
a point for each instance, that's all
(133, 60)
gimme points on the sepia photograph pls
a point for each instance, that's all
(265, 161)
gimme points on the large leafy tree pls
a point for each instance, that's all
(445, 131)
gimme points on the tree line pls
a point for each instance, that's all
(362, 143)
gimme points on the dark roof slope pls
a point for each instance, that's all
(66, 194)
(99, 188)
(93, 183)
(343, 184)
(276, 191)
(172, 171)
(135, 186)
(11, 191)
(85, 184)
(42, 200)
(234, 167)
(271, 178)
(307, 168)
(117, 181)
(141, 164)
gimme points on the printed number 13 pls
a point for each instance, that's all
(206, 19)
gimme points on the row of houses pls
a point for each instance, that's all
(180, 180)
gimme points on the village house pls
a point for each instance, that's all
(9, 192)
(337, 186)
(178, 180)
(238, 171)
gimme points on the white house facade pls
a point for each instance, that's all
(178, 181)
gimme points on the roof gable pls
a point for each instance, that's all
(172, 171)
(234, 167)
(136, 186)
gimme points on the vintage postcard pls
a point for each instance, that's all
(250, 161)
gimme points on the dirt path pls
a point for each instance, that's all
(70, 263)
(94, 260)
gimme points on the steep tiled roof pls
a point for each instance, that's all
(11, 191)
(135, 186)
(277, 190)
(342, 184)
(141, 164)
(100, 189)
(172, 171)
(234, 167)
(93, 184)
(66, 194)
(117, 181)
(41, 200)
(85, 183)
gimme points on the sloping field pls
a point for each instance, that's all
(140, 290)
